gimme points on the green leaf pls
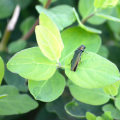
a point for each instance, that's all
(74, 37)
(90, 116)
(48, 38)
(114, 112)
(1, 70)
(6, 8)
(31, 64)
(62, 15)
(103, 51)
(86, 8)
(45, 1)
(23, 3)
(88, 29)
(78, 109)
(108, 17)
(107, 116)
(105, 3)
(89, 96)
(43, 114)
(27, 24)
(57, 107)
(93, 71)
(15, 103)
(16, 46)
(112, 89)
(114, 26)
(48, 90)
(15, 80)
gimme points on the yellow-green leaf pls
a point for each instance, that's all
(105, 3)
(48, 38)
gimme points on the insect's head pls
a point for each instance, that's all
(82, 48)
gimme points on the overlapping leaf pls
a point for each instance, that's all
(48, 38)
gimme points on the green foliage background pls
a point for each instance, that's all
(36, 81)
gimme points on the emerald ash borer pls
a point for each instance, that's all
(77, 57)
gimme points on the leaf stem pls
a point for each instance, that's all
(30, 32)
(10, 27)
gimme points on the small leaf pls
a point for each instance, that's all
(48, 38)
(27, 24)
(78, 109)
(62, 15)
(93, 71)
(2, 96)
(31, 64)
(14, 103)
(86, 8)
(114, 112)
(89, 96)
(48, 90)
(74, 37)
(105, 3)
(16, 46)
(90, 116)
(112, 89)
(108, 17)
(1, 70)
(88, 29)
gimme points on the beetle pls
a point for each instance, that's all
(76, 58)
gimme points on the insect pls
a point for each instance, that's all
(76, 58)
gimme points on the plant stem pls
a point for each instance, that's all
(88, 17)
(30, 32)
(10, 27)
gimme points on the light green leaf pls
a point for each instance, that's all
(27, 24)
(108, 17)
(105, 3)
(16, 46)
(74, 37)
(48, 90)
(90, 116)
(88, 29)
(103, 51)
(107, 116)
(2, 96)
(62, 15)
(114, 112)
(89, 96)
(112, 89)
(86, 8)
(1, 70)
(31, 64)
(78, 109)
(48, 38)
(14, 103)
(93, 71)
